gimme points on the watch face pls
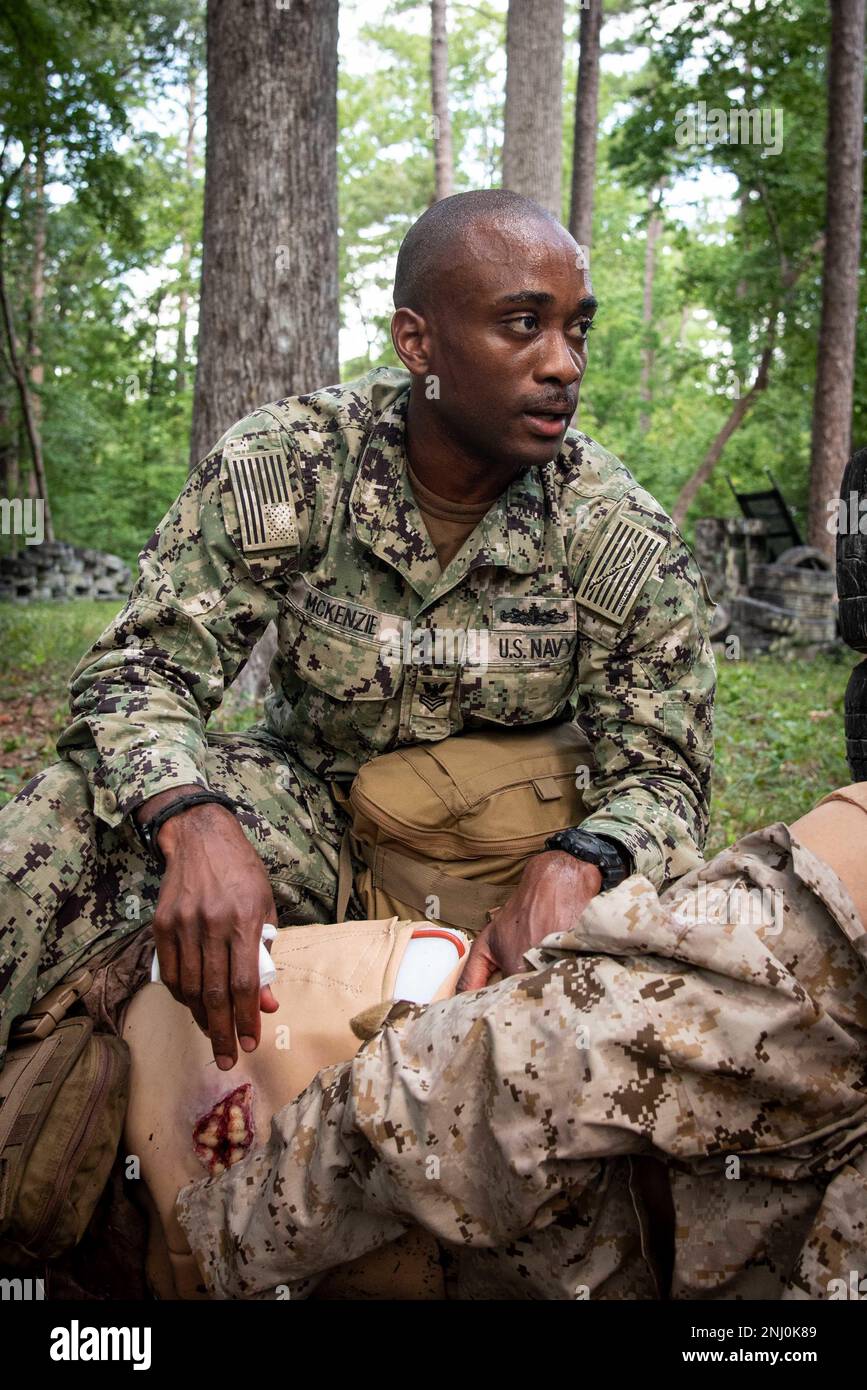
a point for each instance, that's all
(592, 849)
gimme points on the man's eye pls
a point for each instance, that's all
(524, 324)
(584, 326)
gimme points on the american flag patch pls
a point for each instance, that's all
(263, 496)
(618, 568)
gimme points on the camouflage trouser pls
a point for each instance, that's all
(70, 884)
(713, 1037)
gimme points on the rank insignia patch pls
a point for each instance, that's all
(618, 568)
(263, 496)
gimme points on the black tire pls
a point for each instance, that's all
(856, 723)
(852, 561)
(804, 557)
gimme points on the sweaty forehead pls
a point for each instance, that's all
(497, 256)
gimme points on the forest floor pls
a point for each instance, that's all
(779, 724)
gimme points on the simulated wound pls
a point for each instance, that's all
(224, 1133)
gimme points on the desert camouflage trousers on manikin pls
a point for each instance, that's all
(70, 884)
(673, 1102)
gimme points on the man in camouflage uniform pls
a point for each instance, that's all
(587, 598)
(671, 1104)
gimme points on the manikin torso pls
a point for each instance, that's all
(186, 1118)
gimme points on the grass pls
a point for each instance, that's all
(779, 727)
(779, 739)
(40, 646)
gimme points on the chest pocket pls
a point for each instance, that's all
(530, 670)
(339, 649)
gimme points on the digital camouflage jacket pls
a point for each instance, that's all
(574, 595)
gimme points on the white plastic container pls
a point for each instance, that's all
(430, 957)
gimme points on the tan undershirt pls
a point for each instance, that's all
(447, 523)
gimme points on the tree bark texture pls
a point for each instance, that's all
(533, 126)
(444, 182)
(586, 122)
(269, 316)
(186, 238)
(835, 374)
(648, 352)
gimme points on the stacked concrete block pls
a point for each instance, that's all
(60, 571)
(766, 605)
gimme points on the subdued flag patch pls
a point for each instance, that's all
(263, 496)
(618, 569)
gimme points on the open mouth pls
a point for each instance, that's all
(546, 423)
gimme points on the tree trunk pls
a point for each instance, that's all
(832, 407)
(10, 476)
(533, 129)
(19, 373)
(790, 274)
(442, 122)
(654, 229)
(734, 421)
(187, 240)
(586, 121)
(37, 284)
(268, 317)
(252, 682)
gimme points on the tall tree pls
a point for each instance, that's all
(832, 408)
(586, 121)
(648, 351)
(533, 125)
(444, 174)
(18, 365)
(191, 113)
(268, 316)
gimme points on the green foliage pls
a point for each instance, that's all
(763, 264)
(99, 82)
(83, 83)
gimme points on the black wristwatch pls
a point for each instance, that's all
(610, 857)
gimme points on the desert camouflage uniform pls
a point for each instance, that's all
(303, 513)
(713, 1037)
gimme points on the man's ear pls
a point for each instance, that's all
(411, 335)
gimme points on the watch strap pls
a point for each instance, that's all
(148, 832)
(613, 863)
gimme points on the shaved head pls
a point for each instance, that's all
(433, 243)
(493, 306)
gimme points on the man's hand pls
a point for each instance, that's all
(554, 890)
(214, 898)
